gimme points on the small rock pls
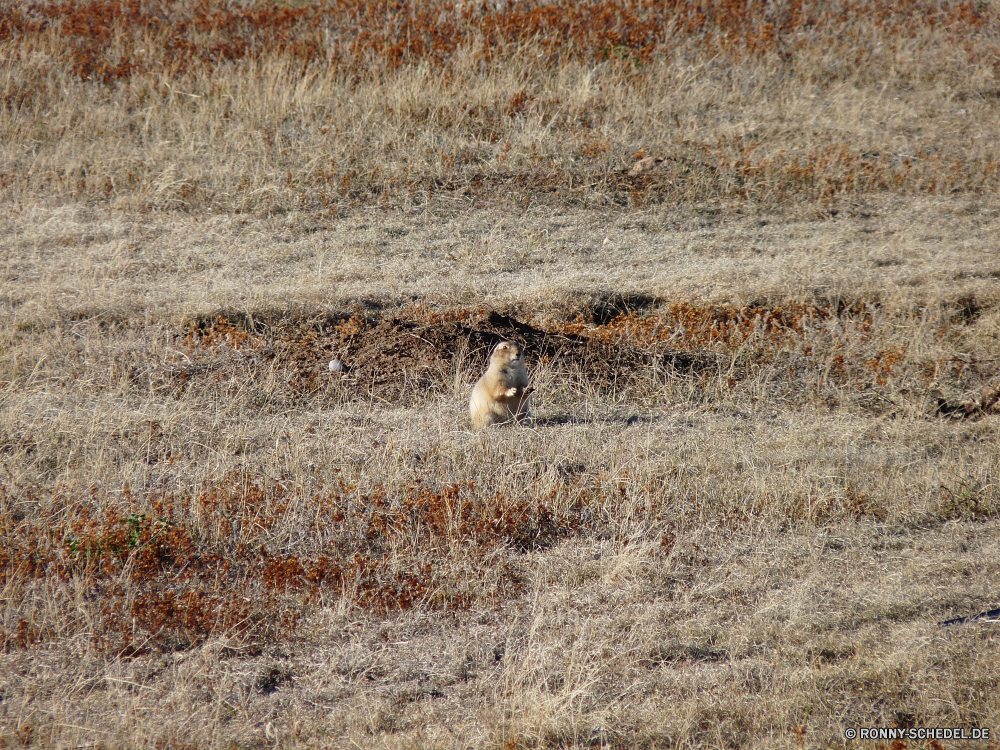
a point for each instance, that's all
(336, 365)
(644, 165)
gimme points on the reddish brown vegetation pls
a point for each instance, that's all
(111, 41)
(146, 48)
(168, 571)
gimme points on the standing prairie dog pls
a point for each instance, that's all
(502, 393)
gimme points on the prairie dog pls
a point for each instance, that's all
(502, 393)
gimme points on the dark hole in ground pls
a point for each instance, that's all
(668, 653)
(969, 308)
(269, 680)
(609, 306)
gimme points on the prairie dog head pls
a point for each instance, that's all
(507, 353)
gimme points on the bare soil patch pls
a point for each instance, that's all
(610, 345)
(404, 357)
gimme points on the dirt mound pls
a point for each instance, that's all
(397, 355)
(606, 344)
(400, 354)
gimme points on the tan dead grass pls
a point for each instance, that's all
(744, 533)
(234, 112)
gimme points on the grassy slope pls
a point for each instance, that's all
(751, 550)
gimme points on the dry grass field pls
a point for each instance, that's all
(765, 460)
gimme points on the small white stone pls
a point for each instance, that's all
(336, 365)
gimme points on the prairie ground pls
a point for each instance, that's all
(764, 465)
